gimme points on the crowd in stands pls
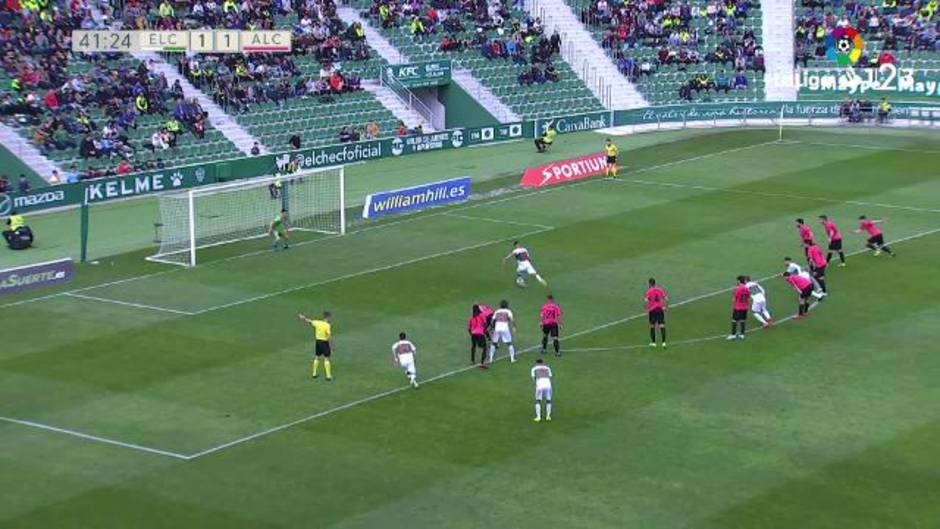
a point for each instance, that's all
(668, 27)
(90, 109)
(910, 25)
(22, 184)
(521, 40)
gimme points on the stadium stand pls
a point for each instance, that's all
(500, 44)
(902, 32)
(679, 51)
(94, 114)
(313, 92)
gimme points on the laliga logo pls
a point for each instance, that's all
(844, 45)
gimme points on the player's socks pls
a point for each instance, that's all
(887, 251)
(652, 335)
(544, 343)
(512, 353)
(548, 411)
(743, 324)
(760, 318)
(492, 352)
(822, 286)
(328, 368)
(557, 345)
(662, 335)
(538, 411)
(313, 370)
(540, 280)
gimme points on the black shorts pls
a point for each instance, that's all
(322, 348)
(835, 245)
(550, 329)
(478, 340)
(877, 239)
(807, 292)
(489, 321)
(657, 316)
(738, 315)
(819, 272)
(807, 242)
(611, 160)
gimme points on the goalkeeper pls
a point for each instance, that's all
(279, 230)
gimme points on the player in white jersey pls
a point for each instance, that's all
(504, 326)
(403, 352)
(523, 264)
(759, 302)
(542, 376)
(795, 269)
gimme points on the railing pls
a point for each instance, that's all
(410, 100)
(501, 111)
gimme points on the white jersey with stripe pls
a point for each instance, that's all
(757, 291)
(501, 319)
(403, 347)
(521, 254)
(542, 376)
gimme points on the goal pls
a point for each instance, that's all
(218, 214)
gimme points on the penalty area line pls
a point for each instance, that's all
(127, 304)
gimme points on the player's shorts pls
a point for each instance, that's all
(526, 267)
(657, 316)
(611, 160)
(478, 340)
(280, 234)
(807, 242)
(807, 292)
(835, 245)
(502, 336)
(550, 329)
(739, 314)
(407, 362)
(877, 239)
(819, 272)
(543, 393)
(758, 306)
(322, 348)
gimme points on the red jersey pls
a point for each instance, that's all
(800, 283)
(741, 297)
(806, 233)
(816, 256)
(832, 231)
(550, 314)
(477, 324)
(870, 227)
(485, 310)
(655, 298)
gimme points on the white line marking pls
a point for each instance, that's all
(526, 350)
(858, 146)
(366, 272)
(500, 221)
(128, 304)
(95, 438)
(414, 217)
(772, 195)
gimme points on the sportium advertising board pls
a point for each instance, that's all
(565, 170)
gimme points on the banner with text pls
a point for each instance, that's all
(420, 74)
(415, 198)
(23, 278)
(565, 170)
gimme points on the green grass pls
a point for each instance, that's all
(826, 422)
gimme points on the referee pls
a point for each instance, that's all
(612, 152)
(323, 343)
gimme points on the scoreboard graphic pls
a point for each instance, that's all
(197, 41)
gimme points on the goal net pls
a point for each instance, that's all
(219, 214)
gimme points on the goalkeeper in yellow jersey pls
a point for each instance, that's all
(612, 152)
(323, 344)
(279, 230)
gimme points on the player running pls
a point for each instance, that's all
(806, 234)
(817, 265)
(835, 239)
(612, 152)
(523, 264)
(796, 269)
(323, 343)
(550, 319)
(476, 326)
(656, 309)
(542, 376)
(279, 229)
(403, 354)
(504, 326)
(740, 299)
(876, 239)
(805, 288)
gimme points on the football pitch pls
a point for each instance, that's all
(149, 396)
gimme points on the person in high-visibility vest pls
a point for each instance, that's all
(884, 108)
(545, 141)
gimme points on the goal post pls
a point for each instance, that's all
(218, 214)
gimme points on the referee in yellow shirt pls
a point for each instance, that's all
(612, 152)
(323, 343)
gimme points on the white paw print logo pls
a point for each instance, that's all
(176, 179)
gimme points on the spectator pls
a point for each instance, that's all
(124, 167)
(24, 185)
(159, 141)
(345, 135)
(402, 129)
(72, 176)
(54, 178)
(372, 130)
(740, 80)
(255, 149)
(294, 141)
(4, 184)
